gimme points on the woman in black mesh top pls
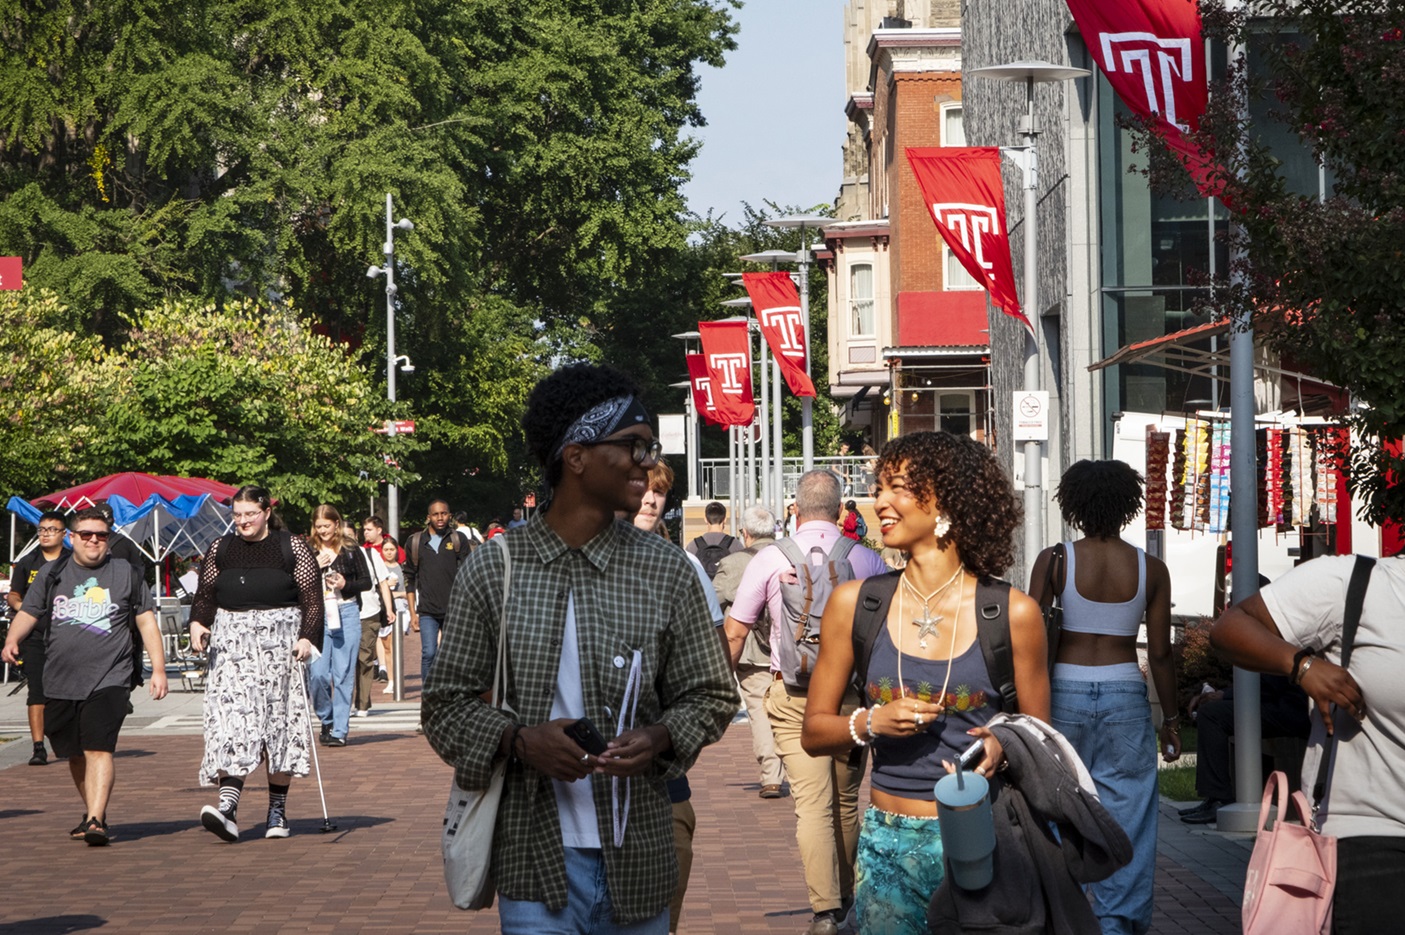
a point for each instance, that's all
(258, 607)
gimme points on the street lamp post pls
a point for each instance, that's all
(392, 495)
(1031, 73)
(801, 222)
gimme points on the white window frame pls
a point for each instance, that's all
(854, 301)
(946, 110)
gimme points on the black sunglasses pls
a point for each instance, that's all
(88, 535)
(640, 449)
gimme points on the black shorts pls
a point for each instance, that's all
(32, 655)
(91, 724)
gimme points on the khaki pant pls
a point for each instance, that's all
(755, 680)
(826, 794)
(685, 822)
(365, 664)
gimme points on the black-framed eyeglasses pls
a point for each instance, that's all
(640, 449)
(50, 530)
(88, 535)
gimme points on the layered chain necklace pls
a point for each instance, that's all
(951, 650)
(927, 624)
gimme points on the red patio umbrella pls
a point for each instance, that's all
(135, 487)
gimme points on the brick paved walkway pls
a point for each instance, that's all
(381, 872)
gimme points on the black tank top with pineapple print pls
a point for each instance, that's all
(910, 766)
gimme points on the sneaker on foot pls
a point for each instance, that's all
(770, 792)
(277, 824)
(364, 712)
(336, 741)
(825, 923)
(95, 833)
(77, 833)
(325, 735)
(389, 689)
(382, 676)
(222, 825)
(40, 757)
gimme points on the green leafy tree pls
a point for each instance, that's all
(245, 394)
(1322, 278)
(50, 415)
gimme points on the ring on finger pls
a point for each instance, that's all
(917, 718)
(586, 758)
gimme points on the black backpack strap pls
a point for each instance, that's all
(870, 615)
(1355, 598)
(993, 628)
(726, 542)
(699, 544)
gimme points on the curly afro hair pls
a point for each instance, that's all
(562, 398)
(1100, 497)
(969, 487)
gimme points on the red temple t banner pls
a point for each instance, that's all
(727, 353)
(1153, 55)
(777, 307)
(702, 389)
(11, 272)
(962, 188)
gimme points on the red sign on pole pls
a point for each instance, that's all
(727, 352)
(530, 501)
(1153, 55)
(702, 389)
(966, 198)
(395, 427)
(777, 307)
(11, 272)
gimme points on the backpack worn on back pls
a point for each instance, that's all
(796, 637)
(992, 628)
(710, 553)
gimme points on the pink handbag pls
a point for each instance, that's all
(1293, 870)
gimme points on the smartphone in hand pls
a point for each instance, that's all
(585, 735)
(972, 754)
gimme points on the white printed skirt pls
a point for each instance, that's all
(255, 704)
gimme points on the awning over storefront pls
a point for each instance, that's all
(1189, 352)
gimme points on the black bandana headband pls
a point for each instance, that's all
(602, 421)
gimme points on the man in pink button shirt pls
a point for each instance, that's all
(825, 789)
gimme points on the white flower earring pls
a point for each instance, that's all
(942, 526)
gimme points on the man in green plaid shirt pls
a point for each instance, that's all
(604, 622)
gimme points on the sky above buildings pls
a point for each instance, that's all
(775, 112)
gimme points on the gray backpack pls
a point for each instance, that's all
(796, 637)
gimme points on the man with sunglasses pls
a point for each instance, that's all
(92, 603)
(50, 547)
(605, 622)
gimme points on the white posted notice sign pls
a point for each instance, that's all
(1031, 415)
(673, 433)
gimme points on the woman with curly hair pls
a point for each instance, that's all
(945, 501)
(1108, 588)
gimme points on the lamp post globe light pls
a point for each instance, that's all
(1030, 74)
(392, 360)
(801, 222)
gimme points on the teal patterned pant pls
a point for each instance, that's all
(898, 869)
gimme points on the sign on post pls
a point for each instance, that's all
(396, 427)
(1031, 416)
(673, 434)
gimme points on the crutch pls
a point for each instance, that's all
(327, 824)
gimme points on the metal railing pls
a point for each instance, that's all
(854, 471)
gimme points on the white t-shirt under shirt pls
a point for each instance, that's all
(575, 802)
(1365, 795)
(371, 597)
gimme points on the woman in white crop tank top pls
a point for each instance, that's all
(1108, 588)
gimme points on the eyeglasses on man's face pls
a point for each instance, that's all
(50, 530)
(88, 535)
(640, 449)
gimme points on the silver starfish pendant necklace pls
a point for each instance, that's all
(928, 623)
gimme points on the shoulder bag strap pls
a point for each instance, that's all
(870, 616)
(500, 671)
(1355, 598)
(993, 630)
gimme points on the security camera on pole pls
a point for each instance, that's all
(392, 497)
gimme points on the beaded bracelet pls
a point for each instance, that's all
(854, 733)
(868, 723)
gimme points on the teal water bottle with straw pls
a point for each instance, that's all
(968, 827)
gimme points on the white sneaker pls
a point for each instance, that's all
(389, 689)
(218, 823)
(361, 713)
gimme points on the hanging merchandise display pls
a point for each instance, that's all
(1158, 450)
(1217, 504)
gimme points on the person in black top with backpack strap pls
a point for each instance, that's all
(715, 544)
(936, 650)
(258, 608)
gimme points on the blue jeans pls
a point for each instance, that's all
(429, 645)
(1109, 724)
(588, 908)
(899, 867)
(334, 672)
